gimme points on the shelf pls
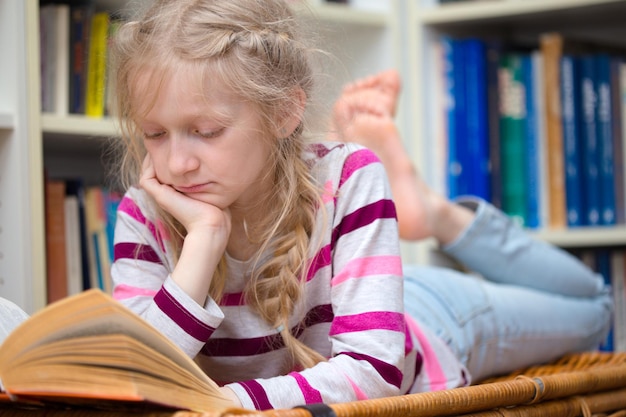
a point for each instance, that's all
(470, 12)
(77, 125)
(585, 236)
(7, 121)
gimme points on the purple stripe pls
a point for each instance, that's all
(126, 250)
(382, 209)
(259, 345)
(175, 311)
(355, 161)
(233, 299)
(257, 395)
(391, 374)
(322, 259)
(379, 320)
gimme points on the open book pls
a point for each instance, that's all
(90, 350)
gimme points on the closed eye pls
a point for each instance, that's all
(153, 135)
(209, 134)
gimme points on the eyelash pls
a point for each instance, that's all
(209, 135)
(205, 135)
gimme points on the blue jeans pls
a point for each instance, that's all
(531, 304)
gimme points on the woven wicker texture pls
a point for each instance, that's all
(587, 384)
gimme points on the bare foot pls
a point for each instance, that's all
(386, 82)
(377, 94)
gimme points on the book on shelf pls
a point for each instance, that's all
(591, 150)
(513, 136)
(551, 46)
(80, 19)
(73, 245)
(476, 123)
(96, 65)
(618, 141)
(493, 53)
(88, 350)
(55, 57)
(605, 139)
(572, 143)
(532, 144)
(56, 252)
(75, 187)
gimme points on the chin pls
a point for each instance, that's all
(211, 199)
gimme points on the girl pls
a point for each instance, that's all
(275, 261)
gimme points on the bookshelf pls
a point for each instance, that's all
(363, 40)
(516, 20)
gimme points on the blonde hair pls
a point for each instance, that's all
(254, 49)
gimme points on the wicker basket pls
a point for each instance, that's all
(587, 384)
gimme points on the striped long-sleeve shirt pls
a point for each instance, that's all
(351, 312)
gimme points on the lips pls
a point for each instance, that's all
(191, 188)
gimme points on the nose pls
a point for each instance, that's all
(182, 156)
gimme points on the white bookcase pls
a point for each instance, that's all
(401, 34)
(599, 20)
(363, 40)
(22, 254)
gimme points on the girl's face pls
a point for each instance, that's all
(208, 148)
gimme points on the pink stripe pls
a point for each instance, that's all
(329, 192)
(431, 364)
(128, 206)
(355, 161)
(311, 395)
(379, 320)
(373, 265)
(360, 395)
(321, 260)
(123, 291)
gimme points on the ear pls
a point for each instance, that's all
(292, 117)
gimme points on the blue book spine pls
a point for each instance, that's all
(493, 54)
(476, 122)
(570, 113)
(603, 267)
(453, 165)
(460, 141)
(605, 139)
(532, 146)
(591, 157)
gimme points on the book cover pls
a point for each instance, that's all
(540, 131)
(88, 349)
(476, 122)
(571, 116)
(603, 267)
(618, 274)
(56, 260)
(80, 19)
(47, 55)
(96, 65)
(100, 260)
(492, 56)
(618, 143)
(512, 137)
(622, 118)
(551, 46)
(533, 156)
(455, 111)
(76, 187)
(591, 150)
(606, 174)
(72, 245)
